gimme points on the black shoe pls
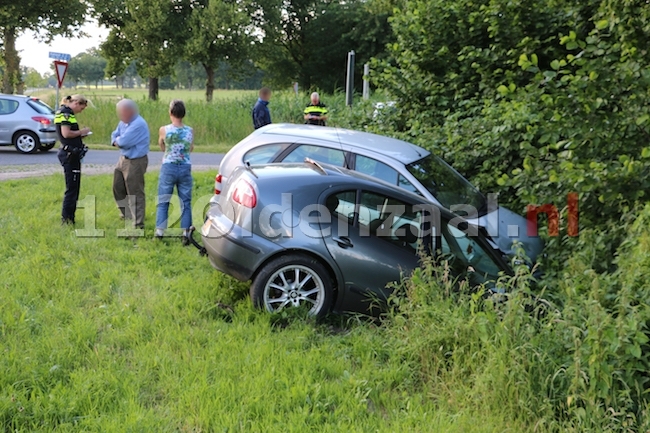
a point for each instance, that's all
(67, 222)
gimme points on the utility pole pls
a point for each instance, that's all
(366, 82)
(349, 85)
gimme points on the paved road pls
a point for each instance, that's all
(10, 156)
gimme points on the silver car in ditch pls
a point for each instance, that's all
(396, 162)
(26, 123)
(329, 239)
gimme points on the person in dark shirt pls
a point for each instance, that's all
(261, 113)
(316, 111)
(71, 152)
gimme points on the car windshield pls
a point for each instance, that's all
(39, 106)
(446, 184)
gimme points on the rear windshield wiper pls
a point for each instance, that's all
(249, 168)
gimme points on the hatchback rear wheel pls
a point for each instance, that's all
(26, 142)
(293, 281)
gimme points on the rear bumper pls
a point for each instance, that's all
(47, 136)
(232, 249)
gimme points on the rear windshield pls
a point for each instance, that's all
(40, 106)
(446, 184)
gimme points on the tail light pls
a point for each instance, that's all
(244, 194)
(42, 120)
(217, 184)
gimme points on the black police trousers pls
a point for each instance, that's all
(72, 170)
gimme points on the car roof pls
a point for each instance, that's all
(7, 95)
(20, 97)
(399, 150)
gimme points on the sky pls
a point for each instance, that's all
(35, 53)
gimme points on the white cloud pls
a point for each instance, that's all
(35, 53)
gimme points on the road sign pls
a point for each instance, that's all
(60, 56)
(61, 68)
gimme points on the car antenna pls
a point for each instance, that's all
(345, 154)
(249, 168)
(313, 162)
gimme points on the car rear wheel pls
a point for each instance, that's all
(293, 281)
(26, 142)
(47, 147)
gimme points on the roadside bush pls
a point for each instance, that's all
(534, 100)
(579, 365)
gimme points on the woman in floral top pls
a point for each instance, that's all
(177, 141)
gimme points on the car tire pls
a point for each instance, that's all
(26, 142)
(274, 285)
(47, 147)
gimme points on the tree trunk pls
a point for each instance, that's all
(209, 82)
(153, 88)
(11, 81)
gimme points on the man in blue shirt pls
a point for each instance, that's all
(132, 138)
(261, 113)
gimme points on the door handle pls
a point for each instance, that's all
(343, 241)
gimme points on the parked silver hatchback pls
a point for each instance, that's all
(26, 123)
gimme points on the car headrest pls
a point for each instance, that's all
(332, 203)
(406, 233)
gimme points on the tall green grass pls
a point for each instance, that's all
(218, 125)
(111, 335)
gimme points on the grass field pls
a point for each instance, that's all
(217, 126)
(109, 334)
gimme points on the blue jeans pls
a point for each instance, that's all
(179, 175)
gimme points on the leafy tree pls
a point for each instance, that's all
(189, 75)
(246, 76)
(88, 67)
(47, 17)
(94, 67)
(151, 32)
(308, 40)
(33, 79)
(116, 49)
(219, 31)
(74, 74)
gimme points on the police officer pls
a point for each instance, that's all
(71, 152)
(316, 111)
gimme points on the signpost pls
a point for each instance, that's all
(60, 67)
(60, 56)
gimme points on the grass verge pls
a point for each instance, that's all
(109, 334)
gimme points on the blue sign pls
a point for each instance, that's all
(60, 56)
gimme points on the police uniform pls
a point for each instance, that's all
(70, 154)
(316, 110)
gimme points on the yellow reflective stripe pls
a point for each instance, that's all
(313, 109)
(60, 118)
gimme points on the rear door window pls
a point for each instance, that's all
(390, 219)
(8, 106)
(317, 153)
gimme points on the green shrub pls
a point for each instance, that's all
(580, 364)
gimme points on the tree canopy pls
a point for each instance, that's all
(46, 17)
(308, 40)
